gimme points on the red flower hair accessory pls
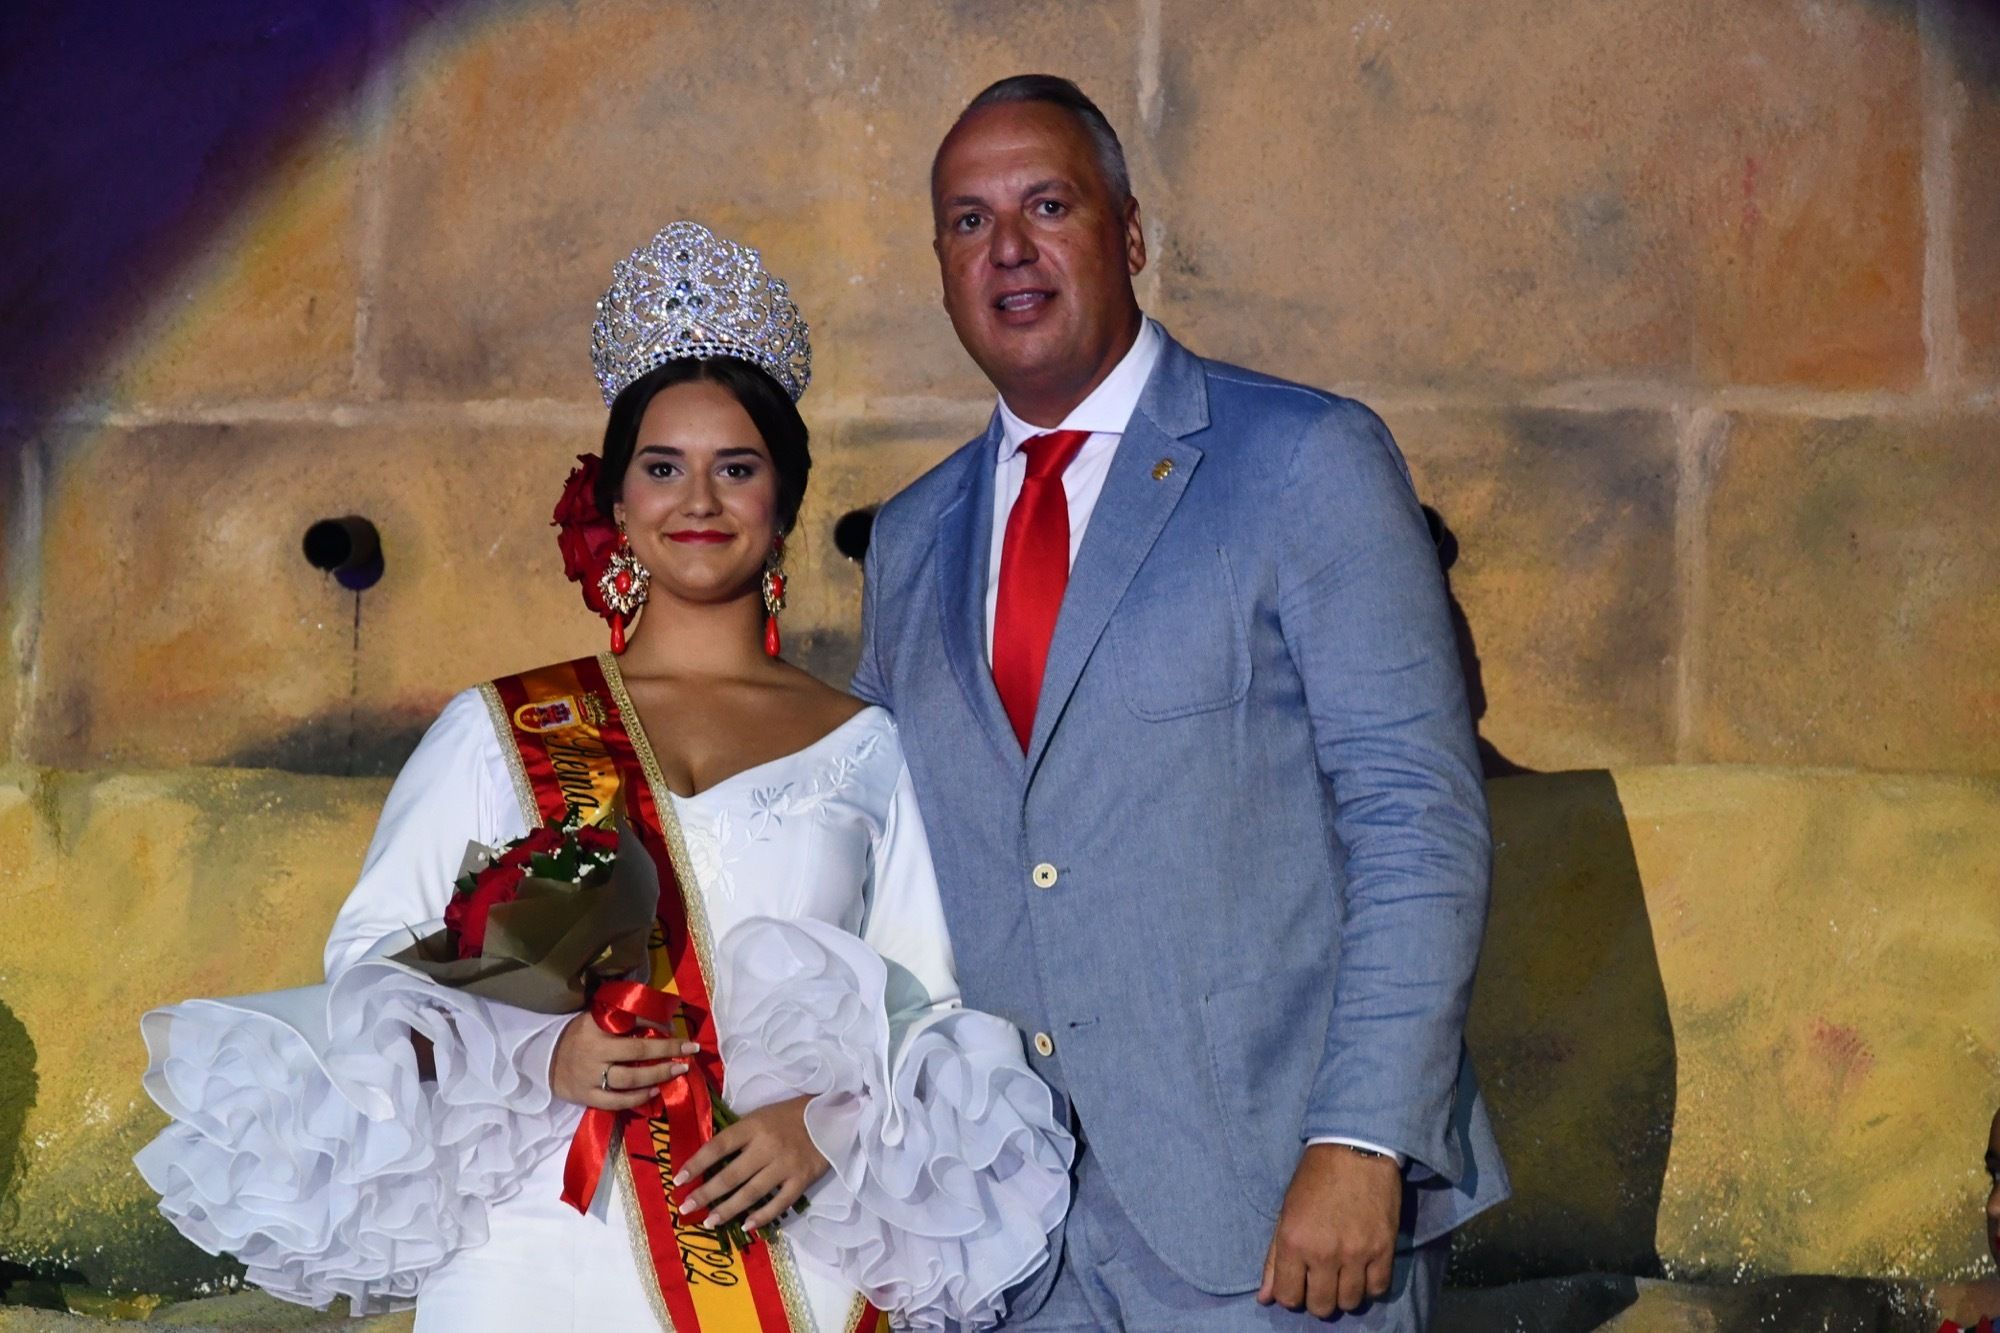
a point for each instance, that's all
(586, 535)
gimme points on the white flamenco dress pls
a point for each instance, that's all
(304, 1142)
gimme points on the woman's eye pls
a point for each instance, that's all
(660, 471)
(739, 471)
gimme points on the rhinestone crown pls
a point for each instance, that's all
(688, 292)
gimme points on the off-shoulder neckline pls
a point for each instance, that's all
(742, 773)
(636, 726)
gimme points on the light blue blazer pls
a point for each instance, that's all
(1253, 774)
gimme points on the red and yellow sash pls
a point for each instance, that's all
(576, 746)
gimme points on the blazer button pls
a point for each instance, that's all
(1045, 876)
(1045, 1045)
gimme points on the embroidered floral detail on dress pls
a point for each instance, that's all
(768, 808)
(704, 848)
(717, 842)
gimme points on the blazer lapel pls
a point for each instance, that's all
(965, 535)
(1138, 497)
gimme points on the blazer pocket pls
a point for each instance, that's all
(1263, 1056)
(1182, 649)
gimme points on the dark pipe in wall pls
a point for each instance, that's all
(348, 548)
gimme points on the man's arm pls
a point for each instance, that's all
(870, 683)
(1365, 617)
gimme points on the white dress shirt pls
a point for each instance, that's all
(1105, 414)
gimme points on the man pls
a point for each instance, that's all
(1175, 675)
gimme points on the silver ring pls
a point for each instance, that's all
(604, 1084)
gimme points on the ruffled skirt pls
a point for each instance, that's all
(304, 1142)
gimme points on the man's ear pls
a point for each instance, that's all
(1135, 239)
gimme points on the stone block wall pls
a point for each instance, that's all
(1731, 1022)
(1683, 313)
(1738, 1021)
(1686, 313)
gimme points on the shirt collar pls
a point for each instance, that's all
(1108, 409)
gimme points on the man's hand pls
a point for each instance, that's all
(1336, 1235)
(764, 1161)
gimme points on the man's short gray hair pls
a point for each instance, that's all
(1055, 90)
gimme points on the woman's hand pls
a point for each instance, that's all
(591, 1067)
(770, 1160)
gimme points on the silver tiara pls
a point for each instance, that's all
(688, 292)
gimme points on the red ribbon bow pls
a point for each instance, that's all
(687, 1102)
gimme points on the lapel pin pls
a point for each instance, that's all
(1163, 469)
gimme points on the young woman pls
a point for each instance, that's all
(507, 1169)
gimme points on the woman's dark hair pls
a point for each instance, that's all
(769, 406)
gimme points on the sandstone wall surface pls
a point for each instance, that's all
(1731, 1021)
(1687, 316)
(1684, 314)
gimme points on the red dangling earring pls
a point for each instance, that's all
(623, 585)
(774, 595)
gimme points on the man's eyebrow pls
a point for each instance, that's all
(1038, 187)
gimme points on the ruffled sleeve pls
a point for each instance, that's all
(303, 1139)
(454, 789)
(949, 1169)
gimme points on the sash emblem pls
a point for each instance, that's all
(559, 714)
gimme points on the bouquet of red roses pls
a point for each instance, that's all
(540, 921)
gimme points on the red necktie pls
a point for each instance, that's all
(1034, 570)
